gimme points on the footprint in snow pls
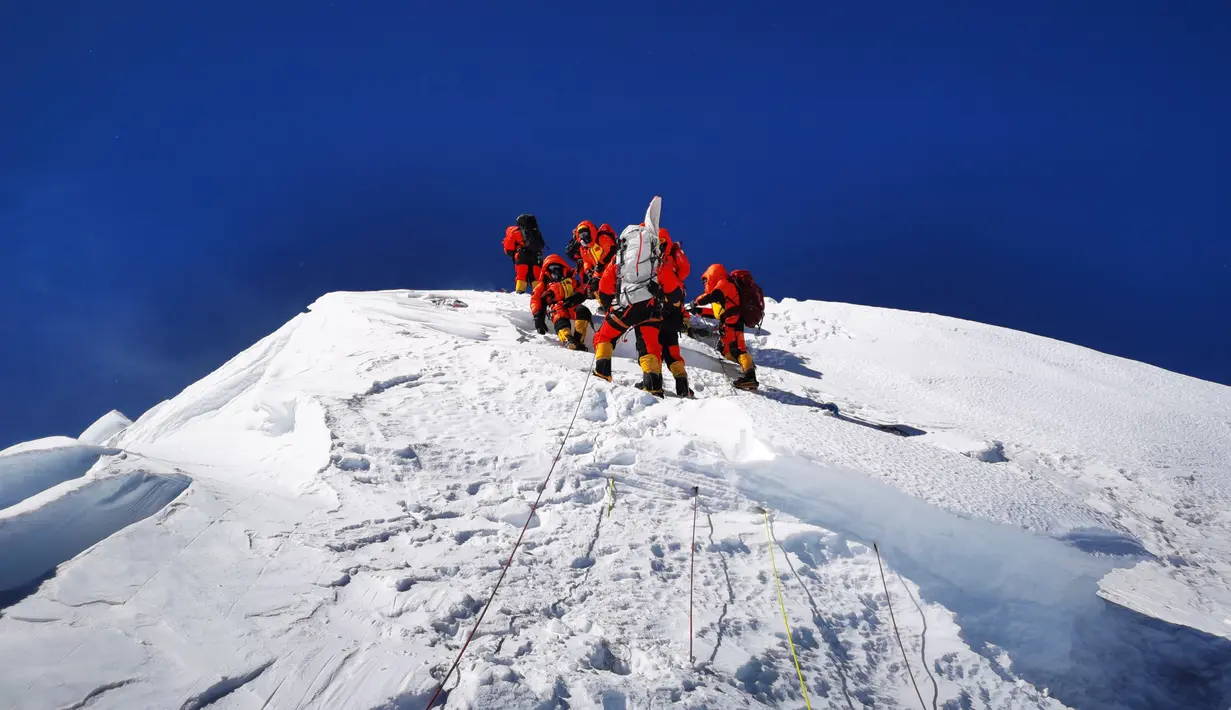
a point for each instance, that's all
(623, 458)
(462, 536)
(596, 411)
(657, 564)
(353, 463)
(442, 515)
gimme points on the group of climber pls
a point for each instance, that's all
(638, 280)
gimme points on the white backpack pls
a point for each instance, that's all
(638, 259)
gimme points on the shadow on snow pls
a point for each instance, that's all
(785, 360)
(795, 400)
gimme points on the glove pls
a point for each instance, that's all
(694, 309)
(540, 323)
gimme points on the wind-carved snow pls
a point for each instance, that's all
(355, 482)
(78, 503)
(35, 466)
(107, 426)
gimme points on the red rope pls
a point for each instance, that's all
(516, 545)
(692, 566)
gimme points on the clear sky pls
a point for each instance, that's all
(178, 179)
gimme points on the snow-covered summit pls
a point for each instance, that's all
(317, 523)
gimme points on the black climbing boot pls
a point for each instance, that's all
(602, 368)
(652, 382)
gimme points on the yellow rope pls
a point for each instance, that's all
(611, 488)
(782, 603)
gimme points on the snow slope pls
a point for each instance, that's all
(317, 523)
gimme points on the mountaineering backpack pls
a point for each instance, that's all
(529, 227)
(751, 299)
(637, 259)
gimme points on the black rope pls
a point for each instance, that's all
(692, 568)
(923, 641)
(895, 626)
(508, 563)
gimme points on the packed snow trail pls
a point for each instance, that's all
(512, 553)
(359, 477)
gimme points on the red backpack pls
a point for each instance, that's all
(751, 299)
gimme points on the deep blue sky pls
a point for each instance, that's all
(176, 182)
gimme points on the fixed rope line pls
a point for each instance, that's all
(692, 566)
(782, 603)
(839, 662)
(508, 563)
(923, 640)
(889, 603)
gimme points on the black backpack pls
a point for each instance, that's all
(529, 227)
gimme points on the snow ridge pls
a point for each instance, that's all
(347, 491)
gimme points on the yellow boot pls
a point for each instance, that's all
(566, 338)
(602, 360)
(747, 381)
(519, 286)
(580, 328)
(651, 375)
(681, 379)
